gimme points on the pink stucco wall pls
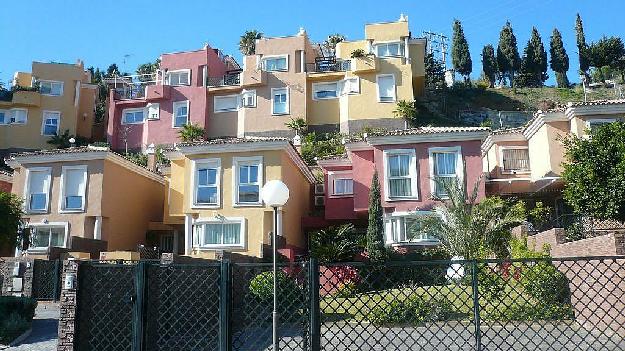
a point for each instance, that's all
(364, 163)
(161, 131)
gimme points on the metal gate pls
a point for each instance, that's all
(46, 280)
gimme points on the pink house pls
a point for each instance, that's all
(407, 162)
(152, 108)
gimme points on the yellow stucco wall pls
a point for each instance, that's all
(546, 150)
(386, 31)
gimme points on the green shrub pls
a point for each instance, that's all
(546, 284)
(261, 286)
(13, 326)
(491, 283)
(414, 310)
(16, 314)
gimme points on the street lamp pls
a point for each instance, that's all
(275, 194)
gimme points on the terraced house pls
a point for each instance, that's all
(527, 162)
(213, 203)
(50, 99)
(408, 162)
(85, 199)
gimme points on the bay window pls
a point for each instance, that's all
(401, 173)
(219, 232)
(38, 189)
(248, 180)
(73, 188)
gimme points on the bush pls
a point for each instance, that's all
(347, 280)
(16, 314)
(414, 310)
(546, 284)
(12, 327)
(261, 287)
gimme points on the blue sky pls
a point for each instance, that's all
(135, 31)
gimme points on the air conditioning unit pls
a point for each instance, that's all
(320, 201)
(320, 189)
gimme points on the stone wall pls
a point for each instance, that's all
(25, 274)
(610, 244)
(68, 307)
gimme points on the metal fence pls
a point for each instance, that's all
(543, 304)
(46, 280)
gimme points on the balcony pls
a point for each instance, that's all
(20, 98)
(365, 64)
(228, 79)
(328, 65)
(130, 92)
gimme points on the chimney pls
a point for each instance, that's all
(151, 152)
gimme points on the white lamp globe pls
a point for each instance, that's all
(275, 193)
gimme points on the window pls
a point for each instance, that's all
(593, 124)
(154, 111)
(350, 86)
(222, 232)
(248, 98)
(280, 101)
(207, 177)
(389, 49)
(181, 77)
(181, 113)
(18, 116)
(133, 116)
(278, 63)
(248, 173)
(407, 229)
(386, 88)
(46, 236)
(515, 159)
(74, 185)
(38, 189)
(445, 166)
(226, 103)
(50, 123)
(325, 90)
(341, 183)
(4, 117)
(401, 174)
(48, 87)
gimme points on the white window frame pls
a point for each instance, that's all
(198, 240)
(6, 120)
(589, 122)
(223, 97)
(377, 83)
(64, 225)
(380, 43)
(339, 175)
(459, 165)
(242, 161)
(178, 71)
(337, 90)
(413, 173)
(133, 110)
(345, 81)
(248, 93)
(513, 171)
(288, 102)
(13, 110)
(48, 171)
(389, 227)
(264, 60)
(64, 169)
(43, 122)
(174, 108)
(197, 165)
(51, 82)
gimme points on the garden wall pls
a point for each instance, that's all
(610, 244)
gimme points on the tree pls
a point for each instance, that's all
(533, 71)
(375, 230)
(559, 61)
(471, 229)
(146, 71)
(582, 48)
(608, 51)
(489, 64)
(594, 172)
(329, 45)
(317, 145)
(191, 133)
(336, 244)
(10, 219)
(298, 125)
(405, 109)
(434, 72)
(460, 55)
(112, 70)
(508, 60)
(61, 141)
(247, 43)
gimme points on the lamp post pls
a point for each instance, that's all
(275, 194)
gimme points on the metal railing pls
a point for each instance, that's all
(131, 92)
(226, 80)
(328, 65)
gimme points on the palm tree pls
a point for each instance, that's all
(336, 244)
(298, 124)
(469, 229)
(191, 133)
(247, 44)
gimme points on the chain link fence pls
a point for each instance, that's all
(542, 304)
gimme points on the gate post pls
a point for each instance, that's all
(476, 305)
(68, 306)
(315, 320)
(139, 316)
(225, 303)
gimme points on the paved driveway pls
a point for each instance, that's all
(45, 329)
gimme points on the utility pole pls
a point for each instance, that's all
(439, 43)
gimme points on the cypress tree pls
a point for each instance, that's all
(460, 55)
(375, 230)
(489, 64)
(582, 47)
(559, 61)
(534, 63)
(508, 60)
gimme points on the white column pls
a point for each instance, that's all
(188, 233)
(302, 61)
(175, 242)
(97, 228)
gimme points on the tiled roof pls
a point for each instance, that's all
(597, 103)
(219, 141)
(508, 131)
(8, 173)
(332, 157)
(431, 130)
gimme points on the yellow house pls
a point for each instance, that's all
(360, 86)
(527, 161)
(54, 97)
(213, 203)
